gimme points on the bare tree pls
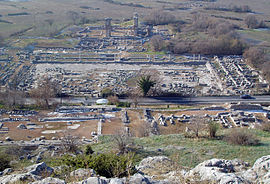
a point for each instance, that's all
(69, 143)
(45, 90)
(144, 129)
(14, 97)
(181, 47)
(135, 96)
(196, 125)
(251, 21)
(157, 43)
(122, 141)
(113, 99)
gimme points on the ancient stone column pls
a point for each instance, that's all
(136, 24)
(108, 27)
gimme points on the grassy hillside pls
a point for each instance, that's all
(190, 152)
(17, 16)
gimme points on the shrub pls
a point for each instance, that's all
(15, 151)
(157, 43)
(88, 150)
(107, 164)
(123, 104)
(254, 56)
(122, 142)
(69, 143)
(195, 127)
(159, 18)
(212, 129)
(4, 162)
(242, 137)
(113, 100)
(106, 92)
(251, 21)
(266, 127)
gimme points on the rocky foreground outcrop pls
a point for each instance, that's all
(157, 170)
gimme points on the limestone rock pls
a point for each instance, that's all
(7, 171)
(217, 170)
(83, 173)
(260, 171)
(151, 162)
(139, 179)
(40, 169)
(262, 165)
(250, 175)
(94, 180)
(21, 126)
(157, 165)
(117, 181)
(8, 139)
(16, 178)
(50, 181)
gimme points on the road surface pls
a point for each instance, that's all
(178, 100)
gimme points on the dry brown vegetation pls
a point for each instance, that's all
(242, 137)
(159, 17)
(257, 57)
(212, 37)
(45, 90)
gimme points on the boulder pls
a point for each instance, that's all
(157, 165)
(117, 181)
(83, 173)
(40, 169)
(33, 173)
(8, 139)
(50, 181)
(218, 171)
(16, 178)
(265, 178)
(21, 126)
(7, 171)
(95, 180)
(260, 171)
(143, 179)
(262, 166)
(160, 168)
(139, 179)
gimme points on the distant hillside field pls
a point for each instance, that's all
(27, 17)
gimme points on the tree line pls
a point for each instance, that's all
(211, 37)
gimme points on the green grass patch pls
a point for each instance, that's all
(190, 152)
(45, 43)
(260, 35)
(127, 23)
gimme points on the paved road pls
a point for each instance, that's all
(181, 100)
(203, 100)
